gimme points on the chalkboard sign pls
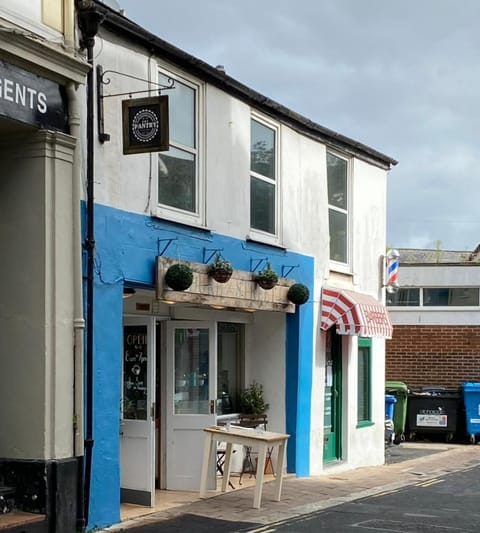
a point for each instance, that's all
(135, 360)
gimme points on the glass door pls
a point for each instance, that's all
(137, 426)
(333, 402)
(190, 399)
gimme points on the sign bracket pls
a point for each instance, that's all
(103, 78)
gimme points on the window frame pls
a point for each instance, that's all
(423, 306)
(198, 216)
(257, 234)
(335, 265)
(365, 343)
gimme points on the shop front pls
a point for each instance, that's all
(40, 308)
(170, 363)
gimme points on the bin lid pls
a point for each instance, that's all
(396, 385)
(436, 392)
(471, 387)
(390, 399)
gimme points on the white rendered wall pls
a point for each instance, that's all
(124, 182)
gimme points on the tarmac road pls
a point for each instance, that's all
(447, 504)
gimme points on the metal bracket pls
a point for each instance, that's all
(212, 252)
(102, 80)
(257, 263)
(286, 272)
(168, 241)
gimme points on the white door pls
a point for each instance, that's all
(137, 425)
(190, 400)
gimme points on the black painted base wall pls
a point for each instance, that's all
(45, 487)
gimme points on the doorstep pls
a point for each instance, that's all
(9, 522)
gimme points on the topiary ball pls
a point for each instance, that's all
(179, 277)
(298, 293)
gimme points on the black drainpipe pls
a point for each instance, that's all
(89, 20)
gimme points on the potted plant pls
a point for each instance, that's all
(267, 278)
(298, 293)
(252, 401)
(220, 270)
(179, 277)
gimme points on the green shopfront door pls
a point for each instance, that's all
(332, 449)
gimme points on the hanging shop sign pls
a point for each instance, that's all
(145, 125)
(31, 99)
(241, 291)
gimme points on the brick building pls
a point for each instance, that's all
(436, 318)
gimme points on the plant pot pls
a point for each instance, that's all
(220, 276)
(179, 277)
(298, 294)
(266, 284)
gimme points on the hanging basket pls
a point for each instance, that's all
(298, 294)
(266, 283)
(220, 275)
(220, 270)
(179, 277)
(267, 278)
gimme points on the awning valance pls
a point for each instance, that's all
(354, 313)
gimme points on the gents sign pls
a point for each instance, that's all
(31, 99)
(145, 125)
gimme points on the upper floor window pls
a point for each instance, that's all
(179, 185)
(263, 178)
(435, 297)
(404, 297)
(337, 180)
(450, 296)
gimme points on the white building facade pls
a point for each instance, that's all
(255, 182)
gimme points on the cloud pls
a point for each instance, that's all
(401, 77)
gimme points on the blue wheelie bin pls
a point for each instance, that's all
(471, 399)
(390, 402)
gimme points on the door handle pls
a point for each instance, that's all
(213, 403)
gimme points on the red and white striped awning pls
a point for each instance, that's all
(354, 313)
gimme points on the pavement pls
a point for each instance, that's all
(406, 464)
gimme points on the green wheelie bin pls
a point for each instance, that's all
(400, 391)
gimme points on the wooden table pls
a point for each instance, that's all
(245, 437)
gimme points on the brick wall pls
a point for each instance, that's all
(446, 356)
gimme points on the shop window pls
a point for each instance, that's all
(263, 180)
(230, 367)
(180, 185)
(338, 204)
(364, 386)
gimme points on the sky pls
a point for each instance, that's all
(399, 76)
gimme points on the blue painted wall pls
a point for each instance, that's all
(126, 247)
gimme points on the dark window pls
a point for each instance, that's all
(364, 381)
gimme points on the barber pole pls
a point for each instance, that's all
(393, 259)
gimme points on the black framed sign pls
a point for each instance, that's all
(32, 99)
(145, 125)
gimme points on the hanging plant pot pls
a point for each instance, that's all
(298, 293)
(220, 270)
(267, 278)
(266, 284)
(179, 277)
(221, 276)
